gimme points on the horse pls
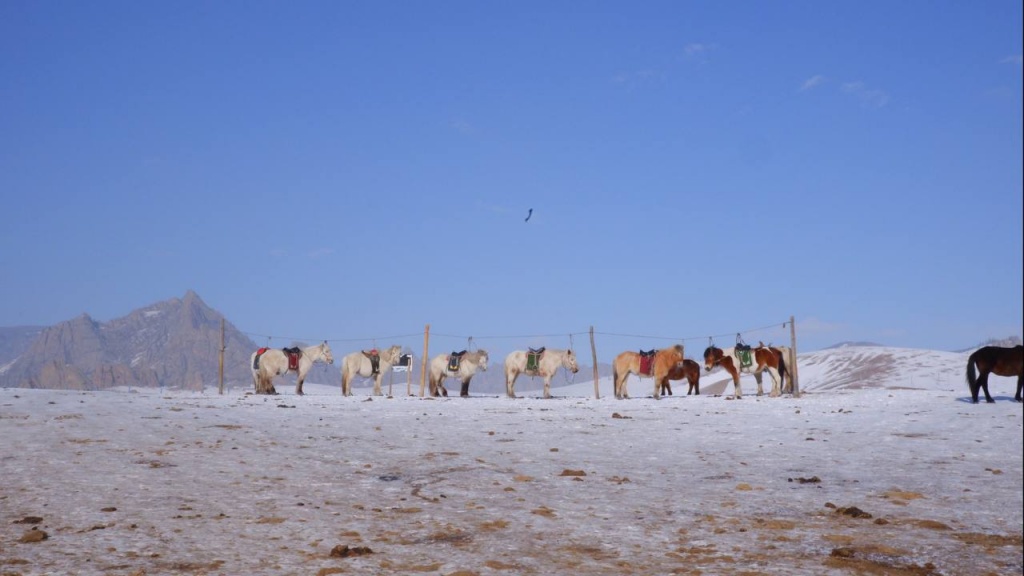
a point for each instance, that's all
(358, 364)
(274, 362)
(469, 363)
(688, 369)
(763, 358)
(549, 362)
(628, 362)
(785, 354)
(994, 360)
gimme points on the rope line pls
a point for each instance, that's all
(747, 331)
(520, 336)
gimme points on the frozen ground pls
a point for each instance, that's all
(872, 477)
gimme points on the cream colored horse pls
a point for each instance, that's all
(665, 361)
(357, 364)
(468, 365)
(274, 362)
(549, 363)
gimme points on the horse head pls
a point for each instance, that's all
(482, 359)
(392, 355)
(569, 361)
(712, 356)
(325, 353)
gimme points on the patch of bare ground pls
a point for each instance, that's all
(873, 560)
(990, 541)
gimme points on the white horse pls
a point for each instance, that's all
(358, 364)
(468, 365)
(274, 362)
(548, 363)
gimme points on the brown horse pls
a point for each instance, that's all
(628, 363)
(994, 360)
(785, 354)
(689, 370)
(761, 359)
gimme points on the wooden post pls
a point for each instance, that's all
(593, 353)
(792, 367)
(423, 365)
(220, 371)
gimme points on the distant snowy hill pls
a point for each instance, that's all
(837, 368)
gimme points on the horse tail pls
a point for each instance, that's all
(615, 378)
(972, 376)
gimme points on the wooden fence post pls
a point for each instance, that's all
(220, 370)
(423, 363)
(792, 348)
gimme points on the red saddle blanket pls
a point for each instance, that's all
(647, 362)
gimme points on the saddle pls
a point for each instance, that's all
(293, 355)
(744, 355)
(374, 357)
(256, 360)
(533, 358)
(453, 360)
(647, 362)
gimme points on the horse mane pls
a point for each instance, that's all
(678, 349)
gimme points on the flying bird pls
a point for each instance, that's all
(528, 214)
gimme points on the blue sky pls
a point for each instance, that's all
(353, 171)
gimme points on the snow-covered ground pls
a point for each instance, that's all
(169, 482)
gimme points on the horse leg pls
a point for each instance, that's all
(735, 373)
(666, 388)
(376, 384)
(267, 384)
(1020, 380)
(298, 384)
(465, 388)
(757, 378)
(983, 382)
(547, 386)
(510, 383)
(776, 385)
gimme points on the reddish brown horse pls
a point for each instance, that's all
(628, 363)
(994, 360)
(731, 359)
(689, 370)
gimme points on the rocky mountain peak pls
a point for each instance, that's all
(171, 343)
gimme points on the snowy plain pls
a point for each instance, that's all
(881, 466)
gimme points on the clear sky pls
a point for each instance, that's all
(356, 170)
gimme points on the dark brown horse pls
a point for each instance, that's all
(994, 360)
(687, 369)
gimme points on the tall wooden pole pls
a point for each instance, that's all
(423, 363)
(593, 353)
(408, 377)
(220, 371)
(792, 367)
